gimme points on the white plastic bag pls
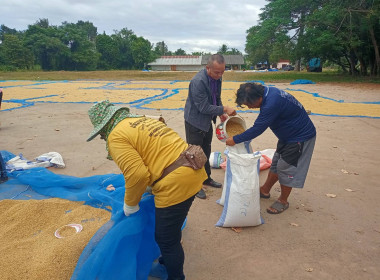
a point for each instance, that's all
(45, 160)
(54, 158)
(241, 192)
(215, 159)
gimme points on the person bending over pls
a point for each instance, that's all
(143, 148)
(296, 134)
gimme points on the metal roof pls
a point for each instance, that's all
(230, 59)
(236, 59)
(178, 60)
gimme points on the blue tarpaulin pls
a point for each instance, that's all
(123, 248)
(301, 81)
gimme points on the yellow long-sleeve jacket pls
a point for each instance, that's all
(143, 148)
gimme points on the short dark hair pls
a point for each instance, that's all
(248, 93)
(215, 57)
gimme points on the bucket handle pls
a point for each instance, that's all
(237, 115)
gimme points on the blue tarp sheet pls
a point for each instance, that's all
(301, 81)
(123, 248)
(315, 62)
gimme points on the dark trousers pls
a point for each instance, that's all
(199, 137)
(3, 171)
(169, 221)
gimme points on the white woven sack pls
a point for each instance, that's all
(268, 152)
(241, 148)
(242, 191)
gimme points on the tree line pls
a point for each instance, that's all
(341, 32)
(79, 47)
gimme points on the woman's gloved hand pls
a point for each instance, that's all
(128, 210)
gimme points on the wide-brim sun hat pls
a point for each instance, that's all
(100, 114)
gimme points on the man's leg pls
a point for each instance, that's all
(169, 221)
(269, 182)
(282, 202)
(207, 150)
(196, 136)
(285, 192)
(291, 169)
(3, 170)
(201, 138)
(206, 147)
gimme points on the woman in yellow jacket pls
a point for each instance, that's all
(143, 147)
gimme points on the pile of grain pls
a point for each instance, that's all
(29, 249)
(234, 128)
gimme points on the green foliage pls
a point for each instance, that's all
(224, 49)
(82, 54)
(141, 52)
(89, 29)
(15, 54)
(48, 49)
(123, 39)
(109, 52)
(4, 30)
(78, 47)
(180, 52)
(346, 33)
(71, 46)
(199, 53)
(161, 49)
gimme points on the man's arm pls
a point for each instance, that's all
(268, 115)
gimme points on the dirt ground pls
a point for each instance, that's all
(318, 237)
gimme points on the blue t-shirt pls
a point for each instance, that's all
(284, 115)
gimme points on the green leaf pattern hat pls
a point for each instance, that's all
(102, 112)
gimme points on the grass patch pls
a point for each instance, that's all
(323, 77)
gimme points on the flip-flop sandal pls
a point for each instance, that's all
(264, 195)
(279, 207)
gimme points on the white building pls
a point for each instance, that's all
(282, 63)
(192, 62)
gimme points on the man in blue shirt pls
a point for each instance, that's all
(296, 134)
(202, 106)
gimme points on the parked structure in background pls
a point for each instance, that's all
(193, 62)
(233, 61)
(262, 65)
(281, 64)
(314, 65)
(288, 68)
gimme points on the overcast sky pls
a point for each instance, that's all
(193, 25)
